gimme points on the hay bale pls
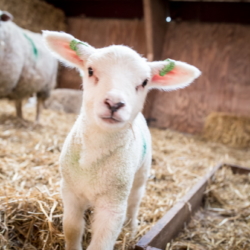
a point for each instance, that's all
(35, 15)
(231, 130)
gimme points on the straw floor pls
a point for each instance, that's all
(30, 204)
(224, 221)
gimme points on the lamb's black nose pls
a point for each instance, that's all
(113, 106)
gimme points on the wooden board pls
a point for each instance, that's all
(171, 224)
(155, 29)
(222, 53)
(100, 8)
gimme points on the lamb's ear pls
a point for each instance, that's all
(169, 74)
(68, 49)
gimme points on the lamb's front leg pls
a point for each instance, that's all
(136, 195)
(73, 222)
(107, 225)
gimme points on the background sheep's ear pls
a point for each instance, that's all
(170, 75)
(5, 16)
(68, 49)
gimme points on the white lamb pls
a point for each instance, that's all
(26, 66)
(106, 157)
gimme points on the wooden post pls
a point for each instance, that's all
(148, 29)
(155, 29)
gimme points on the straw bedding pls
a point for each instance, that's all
(30, 204)
(224, 222)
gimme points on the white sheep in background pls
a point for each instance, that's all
(26, 65)
(106, 157)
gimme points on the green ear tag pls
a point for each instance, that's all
(167, 68)
(73, 44)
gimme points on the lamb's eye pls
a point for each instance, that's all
(145, 83)
(91, 72)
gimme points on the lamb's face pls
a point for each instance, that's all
(115, 86)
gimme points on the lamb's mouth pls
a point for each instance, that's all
(110, 119)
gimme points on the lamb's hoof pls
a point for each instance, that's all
(131, 227)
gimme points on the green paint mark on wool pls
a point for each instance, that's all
(34, 48)
(73, 44)
(144, 150)
(169, 67)
(75, 157)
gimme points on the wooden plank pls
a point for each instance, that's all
(155, 29)
(100, 9)
(170, 225)
(239, 169)
(158, 8)
(148, 21)
(223, 12)
(222, 53)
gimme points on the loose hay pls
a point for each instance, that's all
(224, 222)
(30, 204)
(231, 130)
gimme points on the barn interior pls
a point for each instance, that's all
(211, 34)
(192, 129)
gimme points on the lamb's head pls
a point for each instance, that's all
(116, 79)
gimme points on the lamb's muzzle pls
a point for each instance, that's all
(113, 106)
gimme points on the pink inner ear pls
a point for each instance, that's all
(165, 79)
(66, 52)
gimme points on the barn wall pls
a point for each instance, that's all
(222, 53)
(100, 33)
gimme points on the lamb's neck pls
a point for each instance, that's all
(94, 134)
